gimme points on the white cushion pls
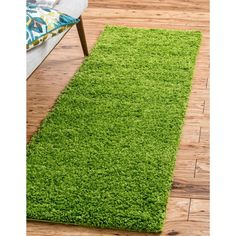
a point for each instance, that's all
(72, 7)
(44, 3)
(36, 55)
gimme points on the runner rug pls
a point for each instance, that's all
(105, 154)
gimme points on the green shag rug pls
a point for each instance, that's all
(105, 154)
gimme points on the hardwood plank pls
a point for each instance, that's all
(177, 209)
(172, 17)
(48, 229)
(202, 169)
(184, 168)
(207, 104)
(198, 5)
(204, 138)
(193, 152)
(186, 228)
(185, 154)
(199, 210)
(147, 23)
(197, 119)
(190, 188)
(195, 108)
(190, 134)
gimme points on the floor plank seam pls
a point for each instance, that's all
(190, 200)
(195, 170)
(207, 82)
(200, 132)
(187, 197)
(204, 104)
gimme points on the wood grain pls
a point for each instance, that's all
(188, 206)
(190, 188)
(199, 210)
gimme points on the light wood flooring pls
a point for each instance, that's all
(188, 207)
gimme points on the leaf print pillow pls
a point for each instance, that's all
(43, 23)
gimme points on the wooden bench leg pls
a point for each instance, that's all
(80, 29)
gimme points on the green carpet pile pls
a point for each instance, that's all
(105, 154)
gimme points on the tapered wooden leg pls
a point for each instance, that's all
(80, 28)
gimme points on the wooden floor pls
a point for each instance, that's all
(188, 207)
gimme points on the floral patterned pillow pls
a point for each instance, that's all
(43, 23)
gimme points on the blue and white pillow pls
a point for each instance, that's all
(43, 23)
